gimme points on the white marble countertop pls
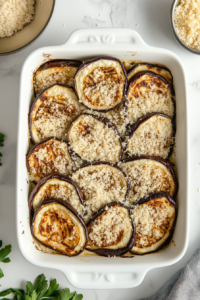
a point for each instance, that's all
(151, 19)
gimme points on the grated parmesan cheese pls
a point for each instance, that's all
(149, 98)
(152, 220)
(61, 190)
(100, 184)
(92, 140)
(53, 116)
(152, 137)
(187, 22)
(45, 78)
(112, 229)
(100, 85)
(117, 116)
(50, 157)
(147, 176)
(14, 15)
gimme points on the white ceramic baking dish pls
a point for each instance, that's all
(99, 272)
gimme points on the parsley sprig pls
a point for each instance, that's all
(41, 290)
(1, 144)
(3, 253)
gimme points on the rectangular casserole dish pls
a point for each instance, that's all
(92, 271)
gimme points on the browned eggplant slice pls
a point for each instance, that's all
(55, 71)
(58, 187)
(118, 117)
(154, 219)
(52, 113)
(152, 134)
(95, 139)
(149, 174)
(149, 92)
(111, 231)
(100, 83)
(57, 226)
(158, 69)
(101, 183)
(48, 157)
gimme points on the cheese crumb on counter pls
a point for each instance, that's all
(187, 22)
(15, 15)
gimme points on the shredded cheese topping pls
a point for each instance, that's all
(112, 229)
(118, 117)
(15, 15)
(53, 115)
(50, 157)
(147, 176)
(100, 85)
(92, 140)
(152, 221)
(152, 137)
(100, 184)
(149, 98)
(45, 78)
(187, 22)
(61, 190)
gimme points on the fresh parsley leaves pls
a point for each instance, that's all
(3, 253)
(41, 290)
(1, 145)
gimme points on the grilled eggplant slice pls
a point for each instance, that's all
(48, 157)
(152, 134)
(154, 219)
(59, 187)
(100, 83)
(101, 183)
(95, 139)
(55, 71)
(111, 231)
(52, 113)
(149, 92)
(57, 226)
(158, 69)
(149, 174)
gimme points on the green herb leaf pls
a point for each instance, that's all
(53, 286)
(1, 139)
(11, 290)
(1, 273)
(41, 290)
(29, 288)
(4, 252)
(77, 297)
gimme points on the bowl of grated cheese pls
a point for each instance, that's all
(22, 22)
(185, 24)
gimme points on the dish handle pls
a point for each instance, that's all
(97, 280)
(105, 37)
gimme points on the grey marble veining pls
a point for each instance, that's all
(152, 17)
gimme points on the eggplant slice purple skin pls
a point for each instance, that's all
(86, 64)
(132, 128)
(158, 69)
(73, 211)
(147, 199)
(106, 122)
(109, 164)
(57, 63)
(113, 252)
(49, 177)
(161, 160)
(43, 98)
(39, 144)
(170, 86)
